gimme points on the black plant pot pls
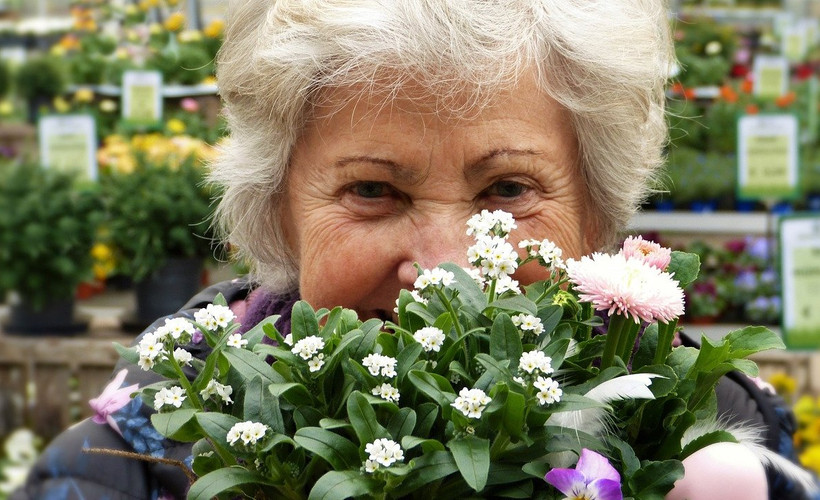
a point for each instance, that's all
(167, 290)
(55, 318)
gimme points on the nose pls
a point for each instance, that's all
(438, 240)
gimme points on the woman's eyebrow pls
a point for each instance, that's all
(481, 165)
(395, 170)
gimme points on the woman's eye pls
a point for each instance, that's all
(507, 189)
(371, 189)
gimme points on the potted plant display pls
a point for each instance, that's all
(158, 212)
(47, 228)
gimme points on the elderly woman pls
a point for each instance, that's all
(364, 134)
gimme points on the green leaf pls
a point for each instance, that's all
(470, 294)
(255, 335)
(260, 405)
(426, 417)
(363, 418)
(654, 479)
(513, 418)
(472, 456)
(336, 450)
(129, 354)
(427, 469)
(421, 311)
(427, 445)
(249, 365)
(303, 322)
(334, 423)
(405, 360)
(751, 340)
(176, 424)
(293, 393)
(364, 346)
(338, 485)
(402, 423)
(497, 370)
(220, 480)
(279, 354)
(684, 267)
(435, 387)
(705, 440)
(517, 303)
(216, 425)
(505, 340)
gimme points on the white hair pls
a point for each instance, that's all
(605, 61)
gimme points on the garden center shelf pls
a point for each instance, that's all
(167, 90)
(707, 223)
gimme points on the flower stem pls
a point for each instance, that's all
(627, 341)
(456, 324)
(617, 323)
(186, 384)
(666, 332)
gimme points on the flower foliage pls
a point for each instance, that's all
(479, 388)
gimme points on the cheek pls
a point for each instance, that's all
(341, 265)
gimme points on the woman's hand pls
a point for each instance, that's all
(722, 471)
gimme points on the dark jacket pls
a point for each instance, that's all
(63, 471)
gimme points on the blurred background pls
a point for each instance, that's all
(109, 112)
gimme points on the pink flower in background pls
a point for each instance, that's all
(648, 251)
(190, 105)
(593, 477)
(629, 287)
(112, 399)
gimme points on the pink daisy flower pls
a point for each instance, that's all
(635, 247)
(629, 287)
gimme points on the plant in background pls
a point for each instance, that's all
(807, 436)
(705, 50)
(157, 204)
(20, 450)
(481, 388)
(47, 227)
(39, 80)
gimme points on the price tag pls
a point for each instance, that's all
(69, 143)
(767, 157)
(794, 43)
(770, 76)
(799, 238)
(142, 96)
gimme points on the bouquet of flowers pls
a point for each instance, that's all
(481, 388)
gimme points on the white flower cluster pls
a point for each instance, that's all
(430, 338)
(387, 392)
(535, 362)
(378, 364)
(309, 349)
(236, 340)
(382, 452)
(548, 390)
(152, 348)
(528, 323)
(471, 402)
(487, 222)
(214, 388)
(494, 255)
(249, 432)
(169, 396)
(547, 252)
(213, 317)
(434, 277)
(183, 357)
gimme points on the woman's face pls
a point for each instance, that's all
(374, 188)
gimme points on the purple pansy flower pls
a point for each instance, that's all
(112, 399)
(592, 478)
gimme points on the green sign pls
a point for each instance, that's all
(767, 157)
(800, 280)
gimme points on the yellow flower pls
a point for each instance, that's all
(189, 36)
(209, 80)
(810, 458)
(172, 3)
(155, 29)
(108, 105)
(175, 126)
(175, 22)
(101, 251)
(121, 53)
(84, 94)
(806, 410)
(57, 51)
(6, 108)
(214, 28)
(784, 384)
(61, 105)
(131, 10)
